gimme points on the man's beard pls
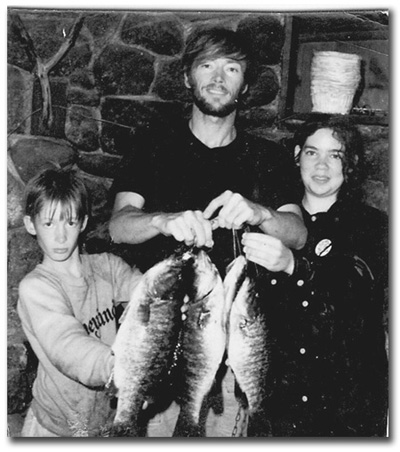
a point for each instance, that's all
(208, 108)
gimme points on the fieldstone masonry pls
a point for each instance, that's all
(121, 73)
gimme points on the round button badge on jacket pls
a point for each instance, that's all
(323, 247)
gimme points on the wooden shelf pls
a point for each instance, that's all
(362, 32)
(376, 119)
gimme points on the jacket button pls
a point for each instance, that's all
(305, 303)
(273, 281)
(304, 398)
(300, 282)
(302, 350)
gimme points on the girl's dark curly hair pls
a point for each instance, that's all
(347, 133)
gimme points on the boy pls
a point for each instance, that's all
(67, 306)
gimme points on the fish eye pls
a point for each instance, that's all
(204, 315)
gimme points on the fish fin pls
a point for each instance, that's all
(216, 403)
(214, 398)
(240, 395)
(110, 388)
(143, 313)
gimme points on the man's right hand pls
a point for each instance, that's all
(189, 227)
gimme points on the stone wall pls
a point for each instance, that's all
(105, 75)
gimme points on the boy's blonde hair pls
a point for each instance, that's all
(57, 186)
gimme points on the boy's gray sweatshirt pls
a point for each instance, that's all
(71, 324)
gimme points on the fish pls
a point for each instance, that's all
(249, 348)
(203, 344)
(234, 277)
(146, 342)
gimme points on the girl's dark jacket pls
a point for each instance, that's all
(329, 360)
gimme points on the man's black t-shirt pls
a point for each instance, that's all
(174, 172)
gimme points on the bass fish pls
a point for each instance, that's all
(203, 343)
(249, 343)
(145, 346)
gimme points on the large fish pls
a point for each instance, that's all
(249, 343)
(145, 346)
(203, 343)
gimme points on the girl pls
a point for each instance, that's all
(330, 367)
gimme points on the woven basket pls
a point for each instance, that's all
(335, 77)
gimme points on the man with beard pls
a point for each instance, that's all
(201, 180)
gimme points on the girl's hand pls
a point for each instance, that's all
(268, 251)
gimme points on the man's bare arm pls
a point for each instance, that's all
(130, 224)
(234, 211)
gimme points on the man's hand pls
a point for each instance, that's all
(189, 227)
(235, 211)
